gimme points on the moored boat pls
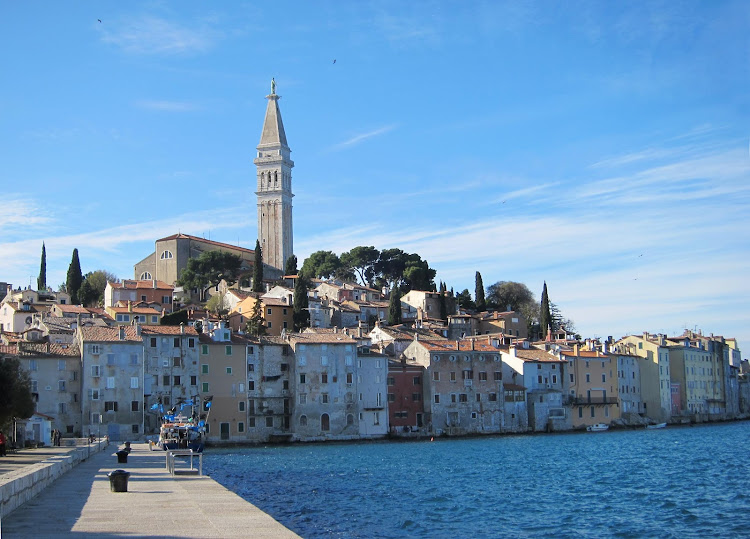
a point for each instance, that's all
(597, 427)
(656, 426)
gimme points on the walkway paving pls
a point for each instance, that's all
(23, 457)
(81, 504)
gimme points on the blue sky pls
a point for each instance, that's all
(601, 146)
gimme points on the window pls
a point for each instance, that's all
(303, 421)
(193, 380)
(175, 361)
(146, 276)
(417, 381)
(110, 406)
(437, 398)
(453, 376)
(498, 376)
(454, 397)
(592, 411)
(134, 406)
(204, 368)
(302, 378)
(325, 422)
(349, 378)
(604, 377)
(303, 398)
(463, 397)
(134, 382)
(62, 408)
(251, 422)
(251, 385)
(229, 370)
(228, 350)
(60, 364)
(61, 385)
(416, 397)
(166, 255)
(492, 397)
(94, 394)
(191, 342)
(391, 397)
(241, 406)
(165, 380)
(204, 349)
(324, 398)
(204, 387)
(588, 377)
(110, 382)
(240, 427)
(95, 349)
(391, 381)
(554, 378)
(33, 365)
(177, 381)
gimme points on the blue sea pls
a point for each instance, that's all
(673, 482)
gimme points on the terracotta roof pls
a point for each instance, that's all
(76, 309)
(109, 334)
(49, 349)
(584, 354)
(445, 345)
(168, 330)
(320, 338)
(534, 354)
(401, 333)
(135, 310)
(132, 284)
(274, 302)
(203, 240)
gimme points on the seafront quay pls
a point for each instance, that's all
(156, 504)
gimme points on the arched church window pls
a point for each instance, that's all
(165, 255)
(146, 276)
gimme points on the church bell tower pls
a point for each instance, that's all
(274, 194)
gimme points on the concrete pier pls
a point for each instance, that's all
(157, 504)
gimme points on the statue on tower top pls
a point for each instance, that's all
(273, 85)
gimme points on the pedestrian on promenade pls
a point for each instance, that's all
(2, 444)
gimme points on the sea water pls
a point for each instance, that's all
(673, 482)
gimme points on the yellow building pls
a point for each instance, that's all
(276, 312)
(656, 388)
(592, 380)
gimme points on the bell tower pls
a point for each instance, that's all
(274, 194)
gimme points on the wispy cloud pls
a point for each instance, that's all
(154, 35)
(166, 106)
(363, 136)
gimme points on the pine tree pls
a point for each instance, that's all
(394, 308)
(74, 279)
(301, 311)
(258, 269)
(41, 281)
(545, 316)
(479, 293)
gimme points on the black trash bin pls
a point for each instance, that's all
(122, 457)
(118, 480)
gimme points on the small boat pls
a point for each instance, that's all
(181, 433)
(657, 426)
(597, 427)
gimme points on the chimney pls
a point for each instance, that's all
(154, 283)
(121, 335)
(138, 329)
(472, 345)
(512, 350)
(182, 328)
(576, 349)
(130, 306)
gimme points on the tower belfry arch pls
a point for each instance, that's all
(274, 188)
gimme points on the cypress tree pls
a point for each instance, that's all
(479, 293)
(41, 281)
(443, 306)
(258, 269)
(301, 314)
(74, 279)
(290, 268)
(394, 307)
(545, 317)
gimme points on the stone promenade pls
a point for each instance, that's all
(81, 504)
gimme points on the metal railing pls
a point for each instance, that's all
(172, 453)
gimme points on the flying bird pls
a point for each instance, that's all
(99, 20)
(334, 60)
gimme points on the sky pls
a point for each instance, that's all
(602, 147)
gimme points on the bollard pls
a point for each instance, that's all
(118, 480)
(122, 457)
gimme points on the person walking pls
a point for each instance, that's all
(3, 441)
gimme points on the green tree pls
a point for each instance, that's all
(545, 316)
(258, 269)
(301, 315)
(362, 260)
(176, 318)
(290, 268)
(256, 325)
(217, 305)
(321, 265)
(479, 293)
(395, 268)
(394, 308)
(15, 391)
(75, 278)
(465, 301)
(91, 293)
(509, 295)
(41, 281)
(209, 269)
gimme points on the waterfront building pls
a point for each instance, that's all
(329, 401)
(698, 375)
(112, 381)
(274, 189)
(656, 386)
(592, 383)
(55, 376)
(464, 385)
(372, 374)
(171, 369)
(406, 397)
(543, 378)
(628, 380)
